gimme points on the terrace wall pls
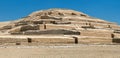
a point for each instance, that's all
(96, 33)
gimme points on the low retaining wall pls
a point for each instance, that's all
(96, 33)
(56, 40)
(96, 40)
(11, 40)
(50, 26)
(38, 40)
(53, 32)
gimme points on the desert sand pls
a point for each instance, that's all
(4, 23)
(63, 51)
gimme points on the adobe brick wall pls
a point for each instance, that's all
(97, 33)
(38, 40)
(58, 40)
(80, 23)
(12, 40)
(41, 27)
(115, 27)
(96, 40)
(52, 32)
(16, 29)
(53, 40)
(100, 25)
(50, 26)
(116, 35)
(29, 27)
(24, 28)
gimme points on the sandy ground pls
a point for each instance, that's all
(65, 51)
(4, 23)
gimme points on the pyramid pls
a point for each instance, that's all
(64, 22)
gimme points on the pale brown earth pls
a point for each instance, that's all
(65, 51)
(4, 23)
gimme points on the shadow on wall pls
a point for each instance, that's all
(116, 40)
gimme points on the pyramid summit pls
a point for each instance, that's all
(61, 26)
(57, 13)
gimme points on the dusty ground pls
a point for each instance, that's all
(64, 51)
(4, 23)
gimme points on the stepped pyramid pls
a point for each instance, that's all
(65, 22)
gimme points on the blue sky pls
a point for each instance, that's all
(105, 9)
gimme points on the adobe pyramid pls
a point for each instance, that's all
(65, 22)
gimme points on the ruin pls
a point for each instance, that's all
(68, 26)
